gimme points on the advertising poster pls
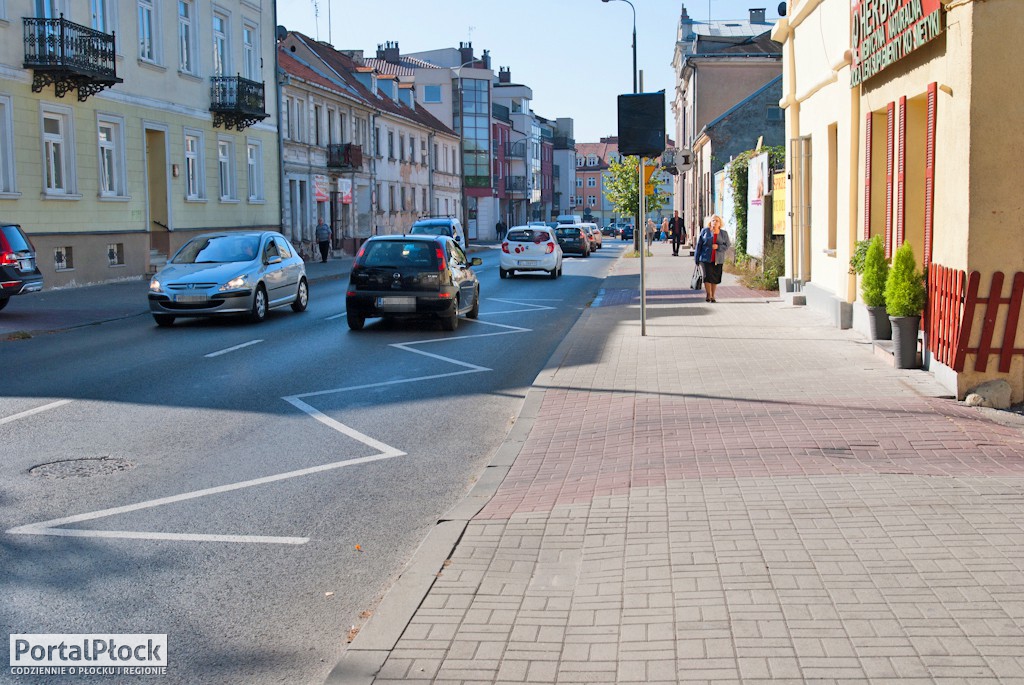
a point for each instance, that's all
(720, 194)
(779, 203)
(728, 212)
(757, 185)
(320, 188)
(345, 190)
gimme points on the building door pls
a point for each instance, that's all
(157, 190)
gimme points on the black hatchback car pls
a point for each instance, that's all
(412, 276)
(18, 271)
(573, 239)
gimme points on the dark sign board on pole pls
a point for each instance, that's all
(642, 124)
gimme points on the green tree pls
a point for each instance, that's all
(876, 270)
(905, 293)
(739, 183)
(620, 189)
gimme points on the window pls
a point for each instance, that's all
(250, 52)
(402, 205)
(115, 254)
(774, 113)
(432, 94)
(423, 202)
(391, 144)
(226, 168)
(186, 37)
(591, 182)
(6, 147)
(330, 126)
(102, 17)
(295, 111)
(221, 54)
(579, 182)
(591, 160)
(401, 146)
(436, 158)
(58, 144)
(113, 180)
(318, 113)
(254, 159)
(376, 142)
(147, 30)
(579, 161)
(423, 151)
(391, 198)
(63, 258)
(379, 199)
(195, 186)
(592, 200)
(412, 149)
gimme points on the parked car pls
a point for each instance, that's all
(443, 225)
(596, 239)
(573, 240)
(19, 273)
(530, 248)
(412, 276)
(610, 231)
(217, 274)
(627, 232)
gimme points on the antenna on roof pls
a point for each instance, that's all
(316, 17)
(471, 28)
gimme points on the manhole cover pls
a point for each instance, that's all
(81, 468)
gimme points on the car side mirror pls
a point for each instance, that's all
(276, 259)
(476, 261)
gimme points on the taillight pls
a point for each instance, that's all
(8, 259)
(504, 247)
(441, 265)
(551, 248)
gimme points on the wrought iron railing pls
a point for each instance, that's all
(70, 56)
(236, 101)
(344, 156)
(515, 150)
(516, 184)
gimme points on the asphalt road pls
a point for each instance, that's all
(250, 490)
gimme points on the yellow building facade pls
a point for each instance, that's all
(902, 121)
(128, 126)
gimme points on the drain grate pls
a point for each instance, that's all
(81, 468)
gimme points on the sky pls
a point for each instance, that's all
(575, 55)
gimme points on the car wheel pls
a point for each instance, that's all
(503, 272)
(553, 274)
(355, 321)
(163, 320)
(586, 254)
(450, 323)
(259, 305)
(559, 270)
(4, 301)
(475, 311)
(301, 297)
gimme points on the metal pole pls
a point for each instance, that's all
(634, 51)
(643, 248)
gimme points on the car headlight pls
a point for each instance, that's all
(234, 283)
(155, 287)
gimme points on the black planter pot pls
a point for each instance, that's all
(878, 323)
(904, 341)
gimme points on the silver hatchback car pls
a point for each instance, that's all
(218, 274)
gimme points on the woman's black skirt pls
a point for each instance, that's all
(712, 273)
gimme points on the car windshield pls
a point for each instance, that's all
(527, 235)
(220, 249)
(395, 253)
(432, 229)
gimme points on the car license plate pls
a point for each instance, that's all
(528, 262)
(26, 265)
(397, 304)
(190, 299)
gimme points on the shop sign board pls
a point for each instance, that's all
(345, 190)
(779, 203)
(885, 31)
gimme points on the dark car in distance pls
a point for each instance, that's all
(627, 232)
(573, 240)
(412, 276)
(19, 273)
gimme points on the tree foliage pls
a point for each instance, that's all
(738, 181)
(621, 182)
(876, 270)
(905, 292)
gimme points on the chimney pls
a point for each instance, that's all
(391, 55)
(487, 59)
(504, 75)
(465, 52)
(757, 16)
(380, 51)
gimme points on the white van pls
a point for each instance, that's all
(441, 225)
(570, 219)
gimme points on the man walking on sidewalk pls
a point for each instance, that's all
(323, 239)
(675, 229)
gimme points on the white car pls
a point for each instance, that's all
(530, 248)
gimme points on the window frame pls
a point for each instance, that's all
(251, 67)
(199, 166)
(221, 61)
(227, 167)
(117, 150)
(154, 54)
(8, 177)
(190, 25)
(66, 117)
(427, 90)
(254, 171)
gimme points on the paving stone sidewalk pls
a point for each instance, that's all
(751, 496)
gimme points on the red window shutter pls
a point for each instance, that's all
(867, 177)
(929, 173)
(901, 172)
(890, 132)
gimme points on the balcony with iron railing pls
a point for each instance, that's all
(517, 184)
(70, 56)
(515, 150)
(236, 102)
(344, 156)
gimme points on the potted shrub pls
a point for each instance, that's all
(875, 270)
(905, 296)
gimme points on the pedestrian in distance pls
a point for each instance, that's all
(675, 229)
(323, 239)
(710, 255)
(651, 228)
(664, 229)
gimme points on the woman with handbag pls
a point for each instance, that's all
(710, 255)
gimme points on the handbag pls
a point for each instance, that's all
(697, 280)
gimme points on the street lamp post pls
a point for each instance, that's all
(634, 40)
